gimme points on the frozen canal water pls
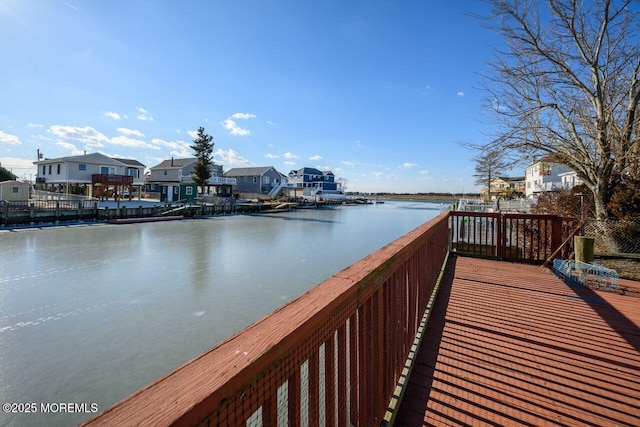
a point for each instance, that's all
(90, 314)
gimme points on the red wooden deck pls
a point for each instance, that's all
(510, 344)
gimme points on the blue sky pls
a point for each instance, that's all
(379, 92)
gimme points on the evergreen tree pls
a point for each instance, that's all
(203, 150)
(6, 175)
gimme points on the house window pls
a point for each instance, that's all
(107, 170)
(165, 173)
(49, 169)
(132, 172)
(265, 179)
(189, 191)
(82, 167)
(44, 170)
(58, 169)
(255, 179)
(15, 190)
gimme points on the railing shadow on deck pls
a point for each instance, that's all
(564, 342)
(334, 354)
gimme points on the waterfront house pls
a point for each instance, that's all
(313, 182)
(258, 180)
(505, 187)
(14, 190)
(172, 180)
(543, 176)
(92, 175)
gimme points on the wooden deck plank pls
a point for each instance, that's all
(511, 344)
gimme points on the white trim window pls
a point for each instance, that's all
(107, 170)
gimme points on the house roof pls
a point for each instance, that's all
(174, 163)
(13, 182)
(94, 158)
(257, 171)
(512, 178)
(308, 171)
(129, 162)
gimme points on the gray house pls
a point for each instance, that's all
(172, 179)
(90, 174)
(260, 180)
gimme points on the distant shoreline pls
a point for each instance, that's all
(429, 196)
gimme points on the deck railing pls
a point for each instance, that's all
(511, 237)
(102, 178)
(333, 356)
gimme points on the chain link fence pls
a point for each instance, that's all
(614, 237)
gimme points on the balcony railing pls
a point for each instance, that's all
(111, 179)
(510, 236)
(221, 180)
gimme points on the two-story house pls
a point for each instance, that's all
(505, 187)
(543, 176)
(258, 180)
(314, 183)
(93, 175)
(172, 180)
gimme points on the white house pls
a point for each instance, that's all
(89, 174)
(543, 176)
(569, 180)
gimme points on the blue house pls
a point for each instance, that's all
(315, 182)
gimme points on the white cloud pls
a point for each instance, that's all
(316, 157)
(87, 135)
(243, 116)
(290, 163)
(130, 132)
(270, 123)
(130, 142)
(377, 174)
(74, 151)
(358, 144)
(347, 163)
(35, 125)
(460, 94)
(113, 115)
(144, 114)
(234, 129)
(193, 133)
(179, 148)
(409, 165)
(289, 155)
(272, 156)
(231, 158)
(9, 139)
(425, 175)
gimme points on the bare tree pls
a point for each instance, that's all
(489, 164)
(567, 87)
